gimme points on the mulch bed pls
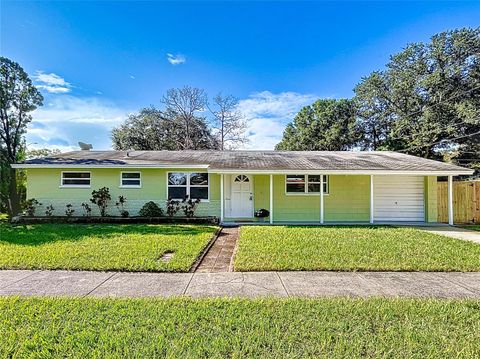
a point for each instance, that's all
(117, 220)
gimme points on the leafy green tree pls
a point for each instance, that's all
(427, 100)
(18, 98)
(375, 118)
(326, 125)
(41, 152)
(148, 129)
(152, 129)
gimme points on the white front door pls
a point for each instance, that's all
(242, 196)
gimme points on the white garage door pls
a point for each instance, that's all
(398, 198)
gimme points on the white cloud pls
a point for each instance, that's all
(51, 79)
(132, 77)
(54, 89)
(52, 82)
(268, 113)
(69, 119)
(176, 59)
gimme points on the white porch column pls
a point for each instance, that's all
(222, 201)
(371, 199)
(321, 200)
(450, 200)
(271, 199)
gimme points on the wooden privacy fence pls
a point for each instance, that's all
(466, 202)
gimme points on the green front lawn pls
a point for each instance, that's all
(102, 247)
(352, 248)
(233, 328)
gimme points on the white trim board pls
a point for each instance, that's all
(346, 172)
(251, 172)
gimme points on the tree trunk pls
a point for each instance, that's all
(13, 198)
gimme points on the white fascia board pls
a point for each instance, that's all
(246, 171)
(346, 172)
(130, 166)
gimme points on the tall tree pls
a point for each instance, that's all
(326, 125)
(153, 129)
(375, 118)
(183, 105)
(18, 98)
(229, 123)
(427, 100)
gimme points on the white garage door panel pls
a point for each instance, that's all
(399, 198)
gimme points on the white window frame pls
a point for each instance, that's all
(326, 181)
(127, 185)
(75, 185)
(188, 184)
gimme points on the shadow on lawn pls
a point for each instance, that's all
(39, 234)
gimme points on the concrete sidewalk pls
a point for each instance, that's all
(238, 284)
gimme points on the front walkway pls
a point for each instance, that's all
(238, 284)
(219, 257)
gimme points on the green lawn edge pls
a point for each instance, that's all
(103, 247)
(352, 248)
(238, 328)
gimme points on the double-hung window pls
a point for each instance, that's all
(305, 184)
(131, 179)
(188, 185)
(75, 179)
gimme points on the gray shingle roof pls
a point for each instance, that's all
(252, 160)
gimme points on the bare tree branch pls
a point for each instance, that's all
(228, 122)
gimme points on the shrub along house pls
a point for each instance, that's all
(298, 187)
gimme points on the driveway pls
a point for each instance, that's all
(454, 232)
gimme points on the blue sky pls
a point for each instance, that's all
(96, 62)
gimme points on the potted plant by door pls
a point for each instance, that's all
(261, 214)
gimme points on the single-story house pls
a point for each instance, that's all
(302, 187)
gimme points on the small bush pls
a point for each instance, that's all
(31, 206)
(49, 210)
(69, 210)
(151, 209)
(120, 206)
(189, 206)
(87, 210)
(101, 198)
(173, 207)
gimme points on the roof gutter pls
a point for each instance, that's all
(86, 166)
(348, 172)
(459, 172)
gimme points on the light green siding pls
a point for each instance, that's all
(348, 199)
(431, 206)
(293, 207)
(44, 185)
(261, 192)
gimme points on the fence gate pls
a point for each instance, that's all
(466, 202)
